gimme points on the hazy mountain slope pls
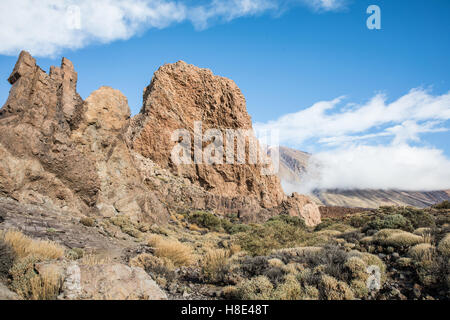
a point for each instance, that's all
(293, 163)
(376, 198)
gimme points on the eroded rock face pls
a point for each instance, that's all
(181, 94)
(100, 135)
(35, 124)
(90, 157)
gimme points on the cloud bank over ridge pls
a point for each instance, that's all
(375, 145)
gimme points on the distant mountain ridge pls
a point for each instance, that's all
(294, 163)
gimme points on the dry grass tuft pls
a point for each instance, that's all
(215, 265)
(444, 245)
(94, 260)
(46, 286)
(24, 246)
(422, 252)
(179, 253)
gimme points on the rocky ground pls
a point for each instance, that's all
(199, 255)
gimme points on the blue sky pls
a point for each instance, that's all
(286, 56)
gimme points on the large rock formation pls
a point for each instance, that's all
(181, 94)
(39, 160)
(90, 157)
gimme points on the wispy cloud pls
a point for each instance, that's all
(325, 5)
(331, 121)
(47, 27)
(373, 145)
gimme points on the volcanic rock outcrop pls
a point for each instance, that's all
(181, 94)
(89, 157)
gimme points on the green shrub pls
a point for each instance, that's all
(418, 218)
(442, 205)
(277, 233)
(284, 218)
(205, 220)
(126, 225)
(360, 220)
(393, 221)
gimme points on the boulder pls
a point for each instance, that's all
(6, 294)
(114, 281)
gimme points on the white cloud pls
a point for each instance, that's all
(46, 27)
(368, 146)
(400, 167)
(325, 5)
(325, 122)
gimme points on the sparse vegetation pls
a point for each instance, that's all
(442, 205)
(87, 221)
(126, 225)
(215, 265)
(24, 246)
(279, 259)
(177, 252)
(21, 256)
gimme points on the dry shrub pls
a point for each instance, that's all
(275, 263)
(94, 260)
(404, 239)
(332, 289)
(126, 225)
(46, 285)
(161, 269)
(404, 262)
(422, 252)
(29, 284)
(290, 289)
(21, 274)
(215, 265)
(359, 288)
(150, 262)
(6, 258)
(372, 260)
(24, 246)
(179, 253)
(258, 288)
(422, 231)
(87, 221)
(229, 292)
(357, 268)
(444, 245)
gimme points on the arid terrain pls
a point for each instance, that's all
(92, 206)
